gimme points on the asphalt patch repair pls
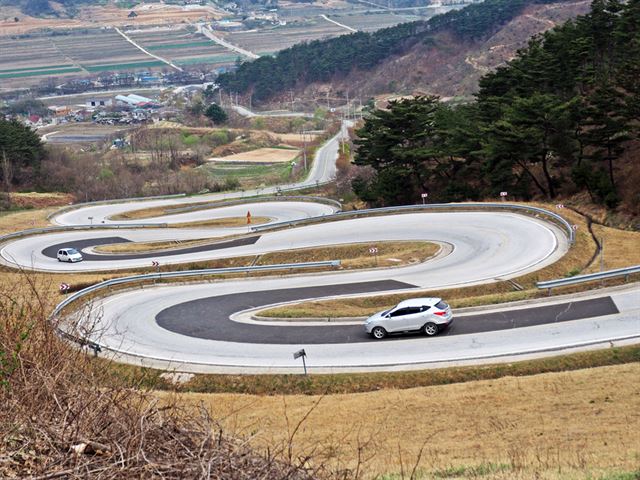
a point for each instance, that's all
(208, 318)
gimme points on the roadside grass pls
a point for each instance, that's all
(354, 383)
(13, 221)
(222, 222)
(357, 255)
(525, 424)
(256, 174)
(354, 255)
(621, 248)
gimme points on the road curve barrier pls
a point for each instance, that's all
(65, 228)
(77, 206)
(567, 227)
(561, 282)
(257, 199)
(178, 274)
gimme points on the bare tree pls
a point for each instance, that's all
(7, 176)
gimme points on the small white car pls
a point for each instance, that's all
(69, 255)
(429, 315)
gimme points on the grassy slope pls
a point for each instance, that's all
(554, 425)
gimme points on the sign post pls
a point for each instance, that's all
(503, 195)
(303, 354)
(424, 197)
(374, 251)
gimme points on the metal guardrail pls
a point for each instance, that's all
(157, 276)
(436, 206)
(561, 282)
(65, 228)
(256, 199)
(76, 206)
(190, 273)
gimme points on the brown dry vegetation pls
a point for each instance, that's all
(261, 155)
(357, 255)
(551, 426)
(92, 16)
(64, 416)
(450, 67)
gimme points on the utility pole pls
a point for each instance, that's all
(304, 150)
(347, 104)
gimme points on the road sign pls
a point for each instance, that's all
(155, 264)
(559, 206)
(575, 227)
(303, 354)
(424, 195)
(64, 287)
(504, 194)
(373, 250)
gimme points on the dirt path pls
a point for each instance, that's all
(207, 32)
(172, 65)
(339, 24)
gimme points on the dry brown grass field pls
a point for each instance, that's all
(261, 155)
(567, 425)
(92, 16)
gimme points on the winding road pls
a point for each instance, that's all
(209, 327)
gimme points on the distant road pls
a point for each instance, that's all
(164, 60)
(245, 112)
(207, 32)
(347, 27)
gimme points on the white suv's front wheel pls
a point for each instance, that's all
(378, 333)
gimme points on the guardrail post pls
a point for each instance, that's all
(549, 292)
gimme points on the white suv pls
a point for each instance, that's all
(69, 255)
(429, 315)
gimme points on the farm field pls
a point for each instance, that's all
(27, 60)
(101, 15)
(278, 38)
(79, 133)
(99, 50)
(182, 45)
(261, 155)
(369, 22)
(24, 61)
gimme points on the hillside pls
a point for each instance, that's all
(560, 120)
(444, 55)
(450, 66)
